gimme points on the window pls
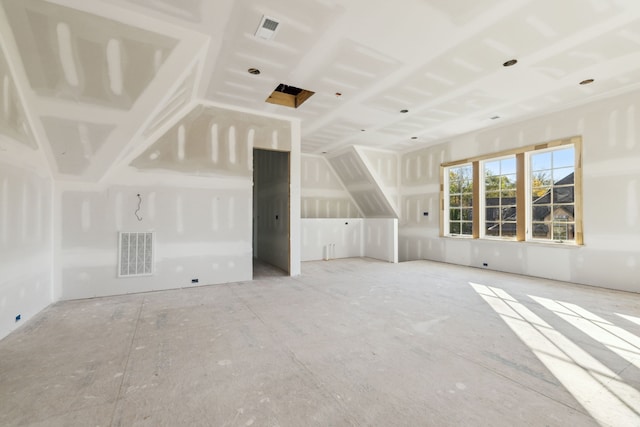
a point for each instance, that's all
(532, 194)
(552, 183)
(500, 197)
(460, 200)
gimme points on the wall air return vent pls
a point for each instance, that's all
(135, 254)
(267, 28)
(289, 96)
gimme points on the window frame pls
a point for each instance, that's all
(483, 199)
(447, 198)
(552, 189)
(523, 185)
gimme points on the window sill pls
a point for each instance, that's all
(538, 243)
(552, 244)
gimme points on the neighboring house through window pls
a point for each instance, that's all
(529, 194)
(553, 195)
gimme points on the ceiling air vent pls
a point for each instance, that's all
(267, 28)
(289, 96)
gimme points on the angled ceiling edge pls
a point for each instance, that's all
(18, 99)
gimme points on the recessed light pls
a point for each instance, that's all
(253, 71)
(404, 111)
(587, 82)
(510, 63)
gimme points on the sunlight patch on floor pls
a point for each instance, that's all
(609, 400)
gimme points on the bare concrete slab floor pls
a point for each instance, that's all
(349, 343)
(262, 270)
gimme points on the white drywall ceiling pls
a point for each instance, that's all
(94, 81)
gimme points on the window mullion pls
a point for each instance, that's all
(578, 193)
(521, 198)
(443, 195)
(477, 206)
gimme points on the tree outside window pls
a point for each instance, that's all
(500, 197)
(460, 200)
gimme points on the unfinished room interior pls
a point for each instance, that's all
(320, 213)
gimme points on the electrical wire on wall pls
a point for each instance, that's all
(138, 210)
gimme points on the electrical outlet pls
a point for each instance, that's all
(425, 213)
(484, 264)
(194, 280)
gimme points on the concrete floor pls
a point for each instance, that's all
(350, 342)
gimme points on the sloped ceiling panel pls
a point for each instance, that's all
(74, 143)
(360, 183)
(190, 10)
(13, 120)
(179, 99)
(74, 55)
(211, 140)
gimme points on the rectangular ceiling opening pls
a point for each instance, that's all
(289, 96)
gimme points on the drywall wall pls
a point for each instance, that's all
(214, 141)
(200, 233)
(272, 216)
(610, 256)
(331, 238)
(195, 180)
(25, 235)
(381, 239)
(349, 237)
(323, 194)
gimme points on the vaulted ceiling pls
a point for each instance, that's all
(100, 84)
